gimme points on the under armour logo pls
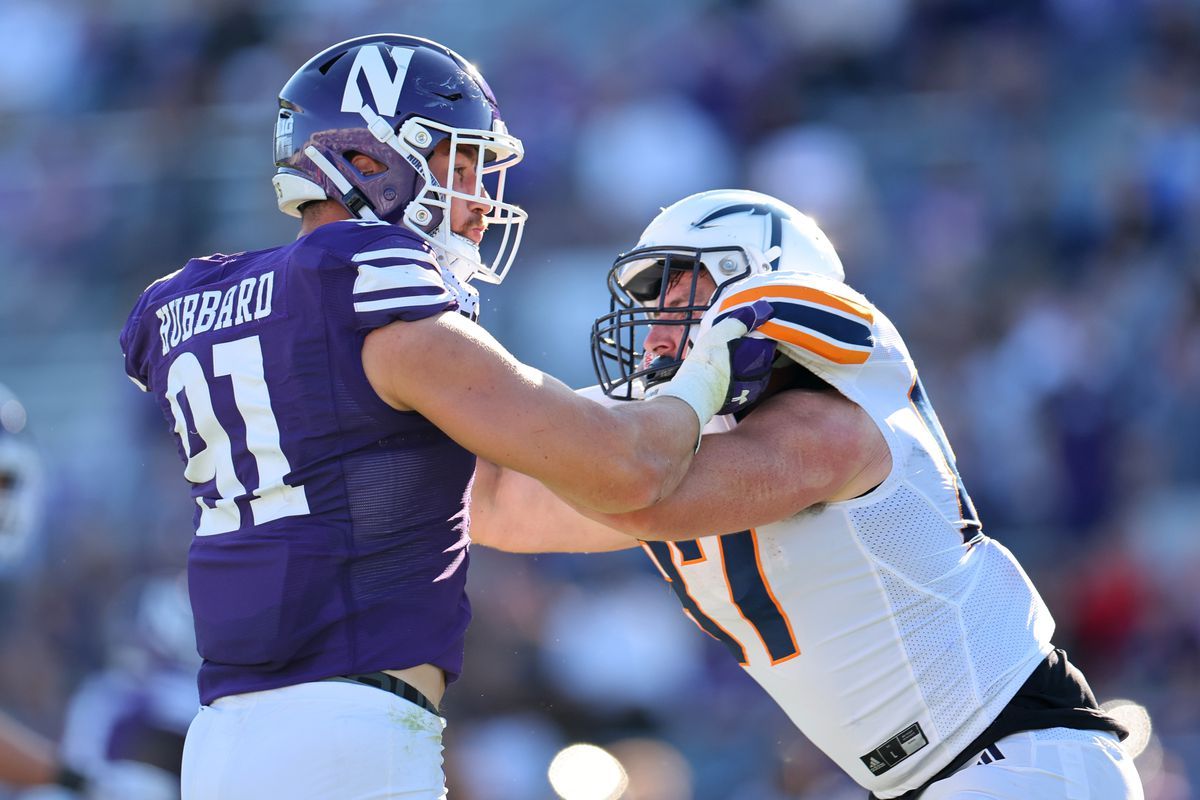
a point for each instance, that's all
(742, 398)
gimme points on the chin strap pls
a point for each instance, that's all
(459, 256)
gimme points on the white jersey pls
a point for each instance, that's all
(888, 628)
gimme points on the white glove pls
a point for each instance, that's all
(702, 380)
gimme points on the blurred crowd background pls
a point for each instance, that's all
(1016, 183)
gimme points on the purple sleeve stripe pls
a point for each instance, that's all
(403, 291)
(407, 302)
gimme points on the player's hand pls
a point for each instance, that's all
(703, 379)
(750, 359)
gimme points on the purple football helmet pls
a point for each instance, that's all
(395, 98)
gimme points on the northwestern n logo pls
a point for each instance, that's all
(375, 80)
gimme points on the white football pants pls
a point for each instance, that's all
(322, 740)
(1052, 764)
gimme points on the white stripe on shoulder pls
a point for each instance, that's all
(396, 252)
(404, 276)
(402, 302)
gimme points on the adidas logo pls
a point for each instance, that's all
(875, 765)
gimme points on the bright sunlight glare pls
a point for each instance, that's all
(1135, 717)
(587, 772)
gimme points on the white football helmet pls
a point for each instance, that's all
(728, 233)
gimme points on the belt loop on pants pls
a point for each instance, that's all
(389, 683)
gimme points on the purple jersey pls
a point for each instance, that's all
(331, 530)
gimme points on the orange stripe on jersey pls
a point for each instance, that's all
(806, 293)
(806, 341)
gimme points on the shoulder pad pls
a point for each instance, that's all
(815, 315)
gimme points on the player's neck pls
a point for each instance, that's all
(317, 214)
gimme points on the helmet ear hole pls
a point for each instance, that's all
(358, 160)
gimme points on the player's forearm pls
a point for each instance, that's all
(697, 391)
(516, 513)
(669, 521)
(633, 459)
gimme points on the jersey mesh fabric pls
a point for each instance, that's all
(1067, 734)
(998, 577)
(959, 641)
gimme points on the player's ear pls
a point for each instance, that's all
(366, 165)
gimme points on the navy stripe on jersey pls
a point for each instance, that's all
(662, 555)
(689, 551)
(750, 593)
(825, 322)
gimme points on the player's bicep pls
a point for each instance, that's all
(458, 377)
